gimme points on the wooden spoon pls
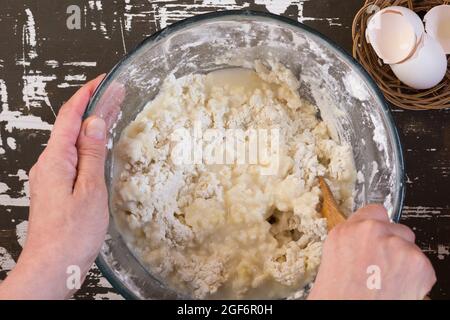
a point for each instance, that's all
(330, 209)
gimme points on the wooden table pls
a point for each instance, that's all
(43, 62)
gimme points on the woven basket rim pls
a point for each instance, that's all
(394, 91)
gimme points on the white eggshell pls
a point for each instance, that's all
(426, 68)
(411, 16)
(394, 33)
(437, 25)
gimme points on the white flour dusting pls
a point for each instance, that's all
(356, 87)
(227, 231)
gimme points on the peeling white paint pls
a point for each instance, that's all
(169, 11)
(277, 6)
(123, 36)
(69, 85)
(421, 212)
(3, 187)
(219, 2)
(108, 296)
(95, 5)
(16, 120)
(81, 63)
(6, 260)
(11, 142)
(97, 25)
(75, 77)
(52, 63)
(34, 93)
(104, 30)
(21, 174)
(443, 251)
(29, 35)
(21, 232)
(22, 62)
(25, 192)
(162, 12)
(6, 200)
(3, 94)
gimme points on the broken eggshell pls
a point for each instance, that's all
(425, 68)
(437, 25)
(394, 33)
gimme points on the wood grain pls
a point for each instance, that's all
(330, 209)
(42, 63)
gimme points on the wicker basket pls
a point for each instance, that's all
(396, 92)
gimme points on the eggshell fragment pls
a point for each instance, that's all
(394, 33)
(437, 25)
(426, 68)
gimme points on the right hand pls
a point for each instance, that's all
(368, 240)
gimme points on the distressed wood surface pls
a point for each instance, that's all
(42, 63)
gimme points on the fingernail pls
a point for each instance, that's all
(95, 129)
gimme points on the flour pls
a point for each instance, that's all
(356, 87)
(227, 230)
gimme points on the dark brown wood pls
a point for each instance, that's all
(42, 63)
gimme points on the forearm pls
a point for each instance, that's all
(41, 276)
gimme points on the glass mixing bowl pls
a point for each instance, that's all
(345, 94)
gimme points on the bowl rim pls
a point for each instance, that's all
(176, 26)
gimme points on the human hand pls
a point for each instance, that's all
(68, 205)
(368, 240)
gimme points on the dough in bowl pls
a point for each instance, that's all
(227, 229)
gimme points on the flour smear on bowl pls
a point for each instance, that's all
(226, 220)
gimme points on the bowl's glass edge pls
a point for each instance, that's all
(109, 275)
(396, 214)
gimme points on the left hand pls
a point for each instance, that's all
(68, 205)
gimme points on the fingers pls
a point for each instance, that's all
(403, 232)
(379, 213)
(68, 122)
(58, 163)
(371, 212)
(91, 155)
(110, 102)
(428, 273)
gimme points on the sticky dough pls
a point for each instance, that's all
(228, 231)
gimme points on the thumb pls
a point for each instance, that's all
(91, 154)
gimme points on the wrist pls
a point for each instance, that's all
(45, 273)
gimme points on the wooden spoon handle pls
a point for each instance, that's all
(330, 209)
